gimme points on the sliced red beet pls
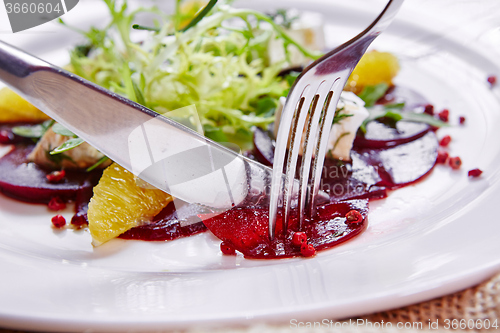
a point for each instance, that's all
(174, 221)
(263, 147)
(372, 171)
(403, 164)
(375, 169)
(379, 135)
(400, 94)
(353, 180)
(28, 182)
(246, 229)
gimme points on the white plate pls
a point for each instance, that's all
(426, 240)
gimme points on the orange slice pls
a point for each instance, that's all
(14, 108)
(119, 204)
(373, 68)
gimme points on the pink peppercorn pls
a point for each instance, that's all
(442, 157)
(58, 221)
(475, 172)
(307, 250)
(5, 136)
(492, 80)
(429, 109)
(299, 238)
(455, 162)
(79, 220)
(353, 216)
(56, 203)
(461, 120)
(56, 176)
(445, 141)
(444, 115)
(227, 249)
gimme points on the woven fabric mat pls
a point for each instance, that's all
(470, 307)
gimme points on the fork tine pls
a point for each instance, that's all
(277, 183)
(322, 140)
(292, 120)
(317, 113)
(297, 131)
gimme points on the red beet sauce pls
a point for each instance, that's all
(174, 221)
(246, 229)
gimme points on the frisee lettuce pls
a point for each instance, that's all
(218, 62)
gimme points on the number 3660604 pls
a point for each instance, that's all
(470, 324)
(32, 8)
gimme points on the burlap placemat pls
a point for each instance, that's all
(469, 310)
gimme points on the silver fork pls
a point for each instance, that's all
(309, 111)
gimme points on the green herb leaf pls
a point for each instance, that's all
(142, 27)
(215, 133)
(33, 131)
(394, 115)
(266, 106)
(291, 77)
(70, 144)
(423, 118)
(138, 94)
(200, 15)
(398, 106)
(339, 116)
(60, 129)
(101, 161)
(283, 18)
(397, 115)
(371, 94)
(58, 159)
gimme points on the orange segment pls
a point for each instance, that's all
(13, 108)
(373, 68)
(119, 204)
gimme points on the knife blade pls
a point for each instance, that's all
(160, 151)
